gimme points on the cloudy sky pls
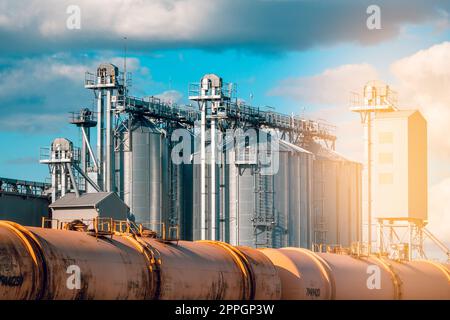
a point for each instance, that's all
(298, 56)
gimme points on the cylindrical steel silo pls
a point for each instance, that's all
(243, 197)
(287, 193)
(300, 195)
(336, 199)
(145, 187)
(281, 202)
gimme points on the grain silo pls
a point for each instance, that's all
(144, 173)
(261, 210)
(337, 199)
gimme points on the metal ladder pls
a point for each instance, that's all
(264, 215)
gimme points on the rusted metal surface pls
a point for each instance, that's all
(129, 267)
(35, 263)
(266, 281)
(303, 276)
(308, 275)
(200, 270)
(21, 275)
(422, 280)
(109, 268)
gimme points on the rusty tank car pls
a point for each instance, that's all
(38, 263)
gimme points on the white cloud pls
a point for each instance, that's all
(422, 81)
(331, 87)
(439, 210)
(37, 91)
(170, 96)
(40, 25)
(34, 123)
(330, 91)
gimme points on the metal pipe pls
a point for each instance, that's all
(213, 215)
(91, 152)
(108, 174)
(72, 179)
(63, 177)
(100, 127)
(54, 182)
(84, 155)
(203, 171)
(85, 176)
(368, 130)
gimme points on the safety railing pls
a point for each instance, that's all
(102, 226)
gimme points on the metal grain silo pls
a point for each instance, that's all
(282, 200)
(257, 209)
(145, 169)
(337, 199)
(243, 197)
(293, 197)
(300, 196)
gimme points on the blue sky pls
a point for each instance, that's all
(43, 71)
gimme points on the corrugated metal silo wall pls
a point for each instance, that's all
(242, 204)
(165, 187)
(142, 173)
(147, 180)
(300, 198)
(337, 202)
(24, 209)
(293, 200)
(281, 202)
(186, 214)
(290, 193)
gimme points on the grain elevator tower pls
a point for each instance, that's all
(396, 177)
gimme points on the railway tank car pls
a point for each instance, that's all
(40, 263)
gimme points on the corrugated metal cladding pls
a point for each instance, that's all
(262, 210)
(149, 183)
(314, 198)
(337, 199)
(24, 209)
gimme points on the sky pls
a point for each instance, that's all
(298, 56)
